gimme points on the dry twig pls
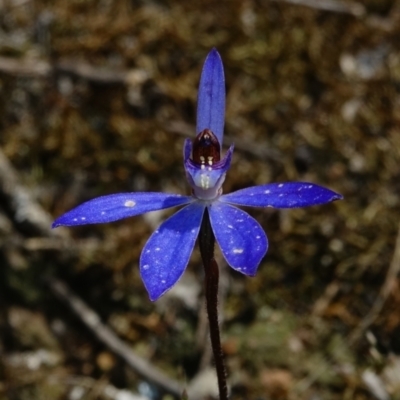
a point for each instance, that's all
(336, 6)
(25, 210)
(76, 68)
(107, 336)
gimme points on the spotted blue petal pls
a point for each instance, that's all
(282, 195)
(118, 206)
(211, 96)
(242, 240)
(166, 254)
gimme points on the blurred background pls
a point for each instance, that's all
(96, 97)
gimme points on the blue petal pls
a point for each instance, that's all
(211, 97)
(118, 206)
(187, 149)
(166, 254)
(282, 195)
(240, 237)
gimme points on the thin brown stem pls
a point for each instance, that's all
(207, 242)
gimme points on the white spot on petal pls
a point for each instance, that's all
(280, 185)
(237, 251)
(83, 218)
(267, 192)
(75, 219)
(146, 266)
(130, 203)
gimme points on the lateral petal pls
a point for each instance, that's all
(166, 254)
(240, 237)
(187, 150)
(114, 207)
(282, 195)
(211, 96)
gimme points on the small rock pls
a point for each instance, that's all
(277, 382)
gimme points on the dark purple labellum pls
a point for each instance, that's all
(206, 148)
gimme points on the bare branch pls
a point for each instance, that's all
(107, 336)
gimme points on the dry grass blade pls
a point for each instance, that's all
(386, 289)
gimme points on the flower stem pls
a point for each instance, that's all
(206, 243)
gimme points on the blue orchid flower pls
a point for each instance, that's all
(242, 240)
